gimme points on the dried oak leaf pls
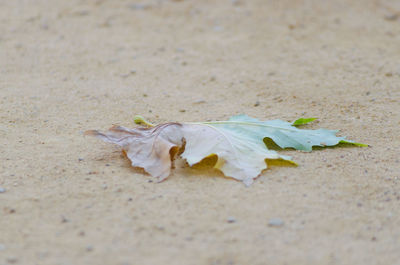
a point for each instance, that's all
(239, 143)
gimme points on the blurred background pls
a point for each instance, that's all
(70, 66)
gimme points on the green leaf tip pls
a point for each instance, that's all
(138, 119)
(353, 143)
(303, 121)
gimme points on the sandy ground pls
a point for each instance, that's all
(70, 66)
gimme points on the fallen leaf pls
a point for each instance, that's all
(238, 143)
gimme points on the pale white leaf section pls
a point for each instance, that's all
(240, 156)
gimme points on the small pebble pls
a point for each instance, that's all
(64, 219)
(231, 219)
(89, 248)
(12, 260)
(2, 190)
(199, 101)
(182, 110)
(257, 103)
(139, 6)
(392, 17)
(160, 227)
(44, 26)
(389, 74)
(218, 28)
(276, 222)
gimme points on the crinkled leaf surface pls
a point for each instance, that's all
(238, 143)
(240, 155)
(148, 148)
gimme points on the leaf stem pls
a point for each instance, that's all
(138, 119)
